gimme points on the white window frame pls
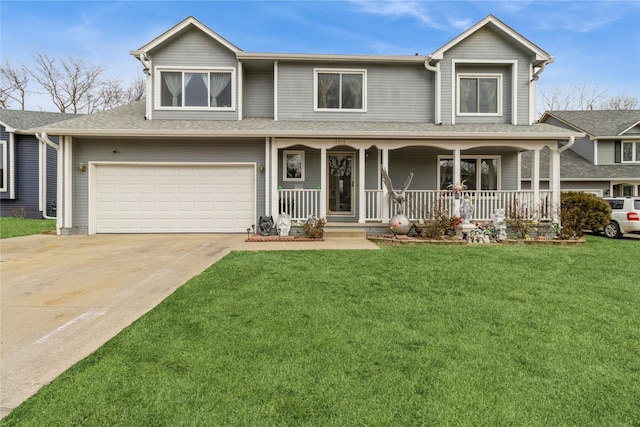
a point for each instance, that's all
(158, 87)
(635, 146)
(285, 154)
(478, 159)
(497, 76)
(340, 71)
(5, 165)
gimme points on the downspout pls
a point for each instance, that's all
(436, 70)
(146, 62)
(44, 139)
(572, 140)
(555, 173)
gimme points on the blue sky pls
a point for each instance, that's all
(595, 43)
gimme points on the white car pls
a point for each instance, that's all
(625, 216)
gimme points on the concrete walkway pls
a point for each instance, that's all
(65, 296)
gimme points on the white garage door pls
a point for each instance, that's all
(174, 198)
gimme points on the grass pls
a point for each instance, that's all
(15, 227)
(431, 335)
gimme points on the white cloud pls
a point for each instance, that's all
(399, 9)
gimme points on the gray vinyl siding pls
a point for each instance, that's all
(136, 150)
(606, 152)
(483, 45)
(27, 178)
(583, 146)
(401, 93)
(258, 94)
(193, 49)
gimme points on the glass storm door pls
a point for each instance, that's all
(340, 187)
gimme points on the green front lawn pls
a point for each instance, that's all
(431, 335)
(14, 227)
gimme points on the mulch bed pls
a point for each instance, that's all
(390, 239)
(276, 238)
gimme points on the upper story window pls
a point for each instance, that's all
(340, 90)
(196, 89)
(630, 152)
(480, 94)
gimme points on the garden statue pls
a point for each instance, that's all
(498, 219)
(399, 198)
(284, 224)
(466, 210)
(266, 224)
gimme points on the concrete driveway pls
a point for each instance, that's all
(65, 296)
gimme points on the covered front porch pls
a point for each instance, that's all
(342, 179)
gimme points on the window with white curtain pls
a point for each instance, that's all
(479, 94)
(630, 152)
(196, 89)
(340, 90)
(478, 172)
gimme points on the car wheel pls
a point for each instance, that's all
(612, 230)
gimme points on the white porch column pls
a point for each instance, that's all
(274, 179)
(385, 192)
(68, 181)
(535, 177)
(456, 180)
(555, 184)
(362, 202)
(323, 183)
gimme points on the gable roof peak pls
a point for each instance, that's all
(491, 20)
(186, 24)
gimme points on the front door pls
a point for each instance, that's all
(340, 175)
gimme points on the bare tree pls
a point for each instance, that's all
(137, 89)
(13, 84)
(70, 82)
(585, 98)
(620, 102)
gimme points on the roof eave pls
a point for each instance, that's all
(315, 134)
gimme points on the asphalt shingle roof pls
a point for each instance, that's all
(22, 121)
(575, 167)
(129, 120)
(598, 123)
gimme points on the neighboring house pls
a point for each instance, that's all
(226, 136)
(606, 161)
(27, 166)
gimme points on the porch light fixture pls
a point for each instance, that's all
(261, 169)
(82, 167)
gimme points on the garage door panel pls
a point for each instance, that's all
(184, 198)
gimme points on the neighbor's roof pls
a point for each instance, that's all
(19, 121)
(574, 167)
(598, 123)
(129, 120)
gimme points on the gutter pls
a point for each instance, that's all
(44, 139)
(536, 75)
(436, 70)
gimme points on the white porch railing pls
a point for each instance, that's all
(299, 204)
(420, 203)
